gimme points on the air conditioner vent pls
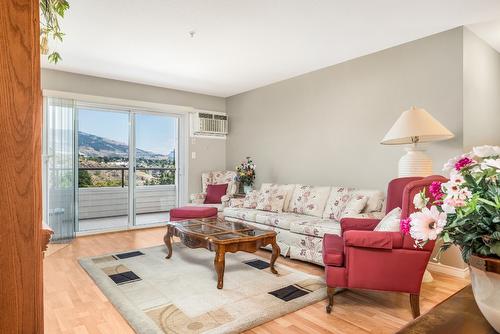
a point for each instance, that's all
(209, 124)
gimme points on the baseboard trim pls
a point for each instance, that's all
(437, 267)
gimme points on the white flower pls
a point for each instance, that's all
(449, 209)
(486, 151)
(488, 163)
(420, 201)
(427, 224)
(456, 178)
(449, 166)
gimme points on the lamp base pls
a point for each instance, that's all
(415, 163)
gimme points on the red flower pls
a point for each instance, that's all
(464, 162)
(404, 225)
(435, 190)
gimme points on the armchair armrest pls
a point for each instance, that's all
(198, 198)
(371, 239)
(358, 224)
(236, 202)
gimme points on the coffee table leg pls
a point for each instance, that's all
(276, 253)
(167, 239)
(219, 263)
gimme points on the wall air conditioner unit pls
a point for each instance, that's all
(209, 124)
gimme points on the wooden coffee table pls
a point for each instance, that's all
(222, 237)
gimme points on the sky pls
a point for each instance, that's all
(153, 133)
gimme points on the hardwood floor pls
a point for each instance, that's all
(74, 304)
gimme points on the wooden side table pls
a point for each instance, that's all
(458, 314)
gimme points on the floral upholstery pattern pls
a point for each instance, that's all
(271, 199)
(337, 201)
(241, 213)
(306, 248)
(198, 198)
(309, 200)
(236, 202)
(375, 200)
(281, 220)
(288, 188)
(251, 199)
(316, 228)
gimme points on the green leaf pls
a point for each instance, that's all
(54, 57)
(495, 248)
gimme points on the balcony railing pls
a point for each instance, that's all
(124, 169)
(101, 202)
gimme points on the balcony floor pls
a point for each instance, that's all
(106, 223)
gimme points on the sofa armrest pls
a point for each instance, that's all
(358, 224)
(198, 198)
(371, 239)
(236, 202)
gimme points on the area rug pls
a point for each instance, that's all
(180, 295)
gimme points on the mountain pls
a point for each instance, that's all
(94, 146)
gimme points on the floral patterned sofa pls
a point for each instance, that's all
(307, 213)
(216, 177)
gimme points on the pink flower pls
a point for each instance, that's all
(464, 162)
(404, 225)
(427, 224)
(435, 190)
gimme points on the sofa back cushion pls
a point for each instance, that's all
(288, 188)
(220, 177)
(355, 205)
(375, 199)
(336, 203)
(271, 199)
(309, 200)
(251, 199)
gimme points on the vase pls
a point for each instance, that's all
(247, 189)
(485, 277)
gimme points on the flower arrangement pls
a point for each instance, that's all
(246, 172)
(465, 211)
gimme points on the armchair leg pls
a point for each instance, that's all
(415, 305)
(330, 291)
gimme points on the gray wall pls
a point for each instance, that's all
(210, 153)
(324, 127)
(481, 92)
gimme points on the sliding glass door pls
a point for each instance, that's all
(155, 167)
(103, 168)
(127, 168)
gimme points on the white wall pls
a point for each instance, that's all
(481, 92)
(324, 127)
(210, 153)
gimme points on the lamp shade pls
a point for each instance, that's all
(416, 126)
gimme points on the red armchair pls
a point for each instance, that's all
(387, 261)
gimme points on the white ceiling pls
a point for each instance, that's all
(489, 32)
(243, 44)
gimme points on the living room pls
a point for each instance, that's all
(257, 167)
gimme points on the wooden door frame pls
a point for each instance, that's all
(21, 286)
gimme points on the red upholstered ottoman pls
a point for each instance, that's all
(190, 212)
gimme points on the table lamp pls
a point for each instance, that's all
(413, 127)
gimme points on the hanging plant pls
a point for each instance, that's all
(50, 12)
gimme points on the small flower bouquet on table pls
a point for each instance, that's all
(246, 174)
(465, 211)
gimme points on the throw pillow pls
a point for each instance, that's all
(391, 222)
(355, 205)
(271, 199)
(251, 199)
(215, 192)
(288, 188)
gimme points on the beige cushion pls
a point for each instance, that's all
(251, 199)
(271, 199)
(355, 205)
(375, 199)
(309, 200)
(336, 203)
(391, 222)
(288, 188)
(241, 213)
